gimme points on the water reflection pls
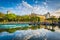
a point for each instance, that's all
(11, 30)
(39, 34)
(30, 33)
(49, 27)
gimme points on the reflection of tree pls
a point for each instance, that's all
(59, 22)
(53, 21)
(53, 26)
(45, 26)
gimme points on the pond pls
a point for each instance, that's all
(28, 33)
(6, 26)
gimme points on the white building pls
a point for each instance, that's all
(8, 12)
(56, 14)
(47, 15)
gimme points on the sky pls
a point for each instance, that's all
(24, 7)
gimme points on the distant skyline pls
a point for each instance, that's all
(23, 7)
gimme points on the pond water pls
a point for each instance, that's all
(29, 34)
(6, 26)
(39, 34)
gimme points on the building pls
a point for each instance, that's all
(8, 12)
(55, 14)
(42, 17)
(47, 15)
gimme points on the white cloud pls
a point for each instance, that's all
(25, 8)
(56, 13)
(26, 4)
(44, 3)
(36, 9)
(40, 10)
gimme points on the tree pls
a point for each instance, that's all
(18, 18)
(11, 17)
(37, 19)
(26, 18)
(53, 20)
(2, 16)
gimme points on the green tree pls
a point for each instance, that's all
(18, 18)
(53, 19)
(2, 16)
(11, 17)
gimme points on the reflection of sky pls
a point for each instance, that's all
(22, 7)
(30, 34)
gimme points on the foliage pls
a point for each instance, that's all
(11, 17)
(2, 16)
(16, 18)
(53, 19)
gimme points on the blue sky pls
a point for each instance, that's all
(23, 7)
